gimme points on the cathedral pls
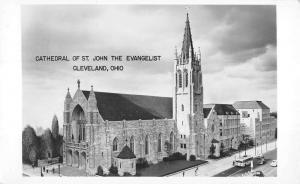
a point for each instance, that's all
(104, 129)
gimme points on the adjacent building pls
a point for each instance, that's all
(256, 122)
(222, 128)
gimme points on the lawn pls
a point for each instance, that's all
(166, 168)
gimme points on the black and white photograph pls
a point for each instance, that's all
(149, 90)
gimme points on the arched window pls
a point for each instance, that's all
(186, 78)
(115, 144)
(146, 145)
(132, 144)
(172, 140)
(159, 143)
(179, 79)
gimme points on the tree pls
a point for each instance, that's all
(55, 128)
(212, 149)
(29, 142)
(47, 146)
(33, 156)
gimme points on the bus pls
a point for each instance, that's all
(243, 161)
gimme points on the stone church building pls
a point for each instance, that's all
(98, 125)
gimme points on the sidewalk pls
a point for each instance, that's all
(216, 166)
(36, 171)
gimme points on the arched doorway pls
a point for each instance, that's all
(69, 157)
(78, 124)
(76, 159)
(83, 160)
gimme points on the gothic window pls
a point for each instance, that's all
(172, 140)
(83, 135)
(115, 144)
(146, 145)
(159, 143)
(179, 79)
(132, 144)
(186, 78)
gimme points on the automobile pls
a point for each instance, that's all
(258, 174)
(274, 163)
(260, 160)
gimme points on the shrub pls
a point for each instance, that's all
(99, 171)
(212, 150)
(212, 157)
(127, 174)
(141, 163)
(175, 156)
(192, 158)
(113, 171)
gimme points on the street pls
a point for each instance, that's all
(265, 168)
(223, 167)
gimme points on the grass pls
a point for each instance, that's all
(166, 168)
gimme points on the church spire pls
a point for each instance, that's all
(187, 45)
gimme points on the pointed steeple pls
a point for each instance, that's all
(187, 44)
(92, 101)
(68, 101)
(68, 94)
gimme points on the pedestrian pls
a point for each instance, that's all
(183, 174)
(44, 168)
(196, 170)
(53, 170)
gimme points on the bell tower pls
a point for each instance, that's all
(188, 95)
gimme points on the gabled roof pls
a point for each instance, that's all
(250, 105)
(118, 107)
(214, 141)
(126, 153)
(206, 112)
(222, 109)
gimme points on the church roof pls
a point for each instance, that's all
(214, 141)
(222, 109)
(117, 107)
(250, 105)
(126, 153)
(206, 112)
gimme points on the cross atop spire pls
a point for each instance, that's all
(187, 44)
(78, 83)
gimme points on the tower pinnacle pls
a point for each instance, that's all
(78, 83)
(187, 44)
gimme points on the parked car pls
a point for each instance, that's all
(258, 174)
(274, 163)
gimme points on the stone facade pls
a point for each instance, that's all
(93, 139)
(256, 121)
(89, 140)
(222, 124)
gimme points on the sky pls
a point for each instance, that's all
(238, 47)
